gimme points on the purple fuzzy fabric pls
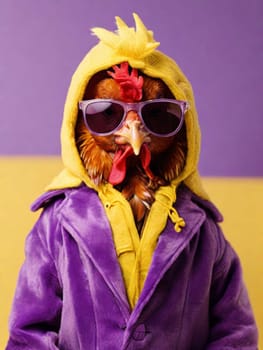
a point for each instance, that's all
(70, 293)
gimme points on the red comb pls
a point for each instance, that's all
(130, 84)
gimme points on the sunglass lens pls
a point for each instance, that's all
(103, 116)
(162, 117)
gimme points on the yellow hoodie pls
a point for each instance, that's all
(137, 47)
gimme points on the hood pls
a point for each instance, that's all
(137, 47)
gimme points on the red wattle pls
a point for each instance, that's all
(119, 165)
(118, 170)
(145, 156)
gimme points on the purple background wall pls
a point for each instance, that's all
(218, 44)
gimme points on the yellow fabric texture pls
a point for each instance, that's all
(137, 47)
(135, 254)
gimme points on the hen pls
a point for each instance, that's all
(98, 153)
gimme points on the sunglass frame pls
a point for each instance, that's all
(136, 107)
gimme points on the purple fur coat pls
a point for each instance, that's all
(70, 294)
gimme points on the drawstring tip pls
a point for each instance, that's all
(177, 220)
(179, 225)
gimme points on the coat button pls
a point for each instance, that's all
(139, 333)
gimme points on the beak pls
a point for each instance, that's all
(132, 133)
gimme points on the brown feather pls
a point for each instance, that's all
(96, 152)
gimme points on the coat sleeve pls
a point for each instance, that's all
(232, 324)
(35, 315)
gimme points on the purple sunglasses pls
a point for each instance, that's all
(161, 117)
